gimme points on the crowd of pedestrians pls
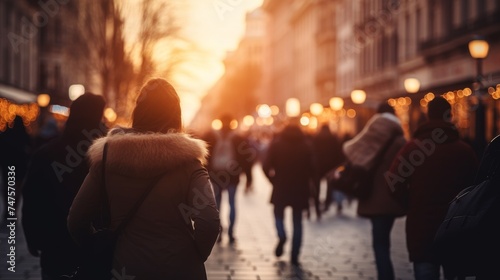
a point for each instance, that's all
(90, 174)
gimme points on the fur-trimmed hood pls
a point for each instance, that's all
(146, 154)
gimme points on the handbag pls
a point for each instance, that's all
(356, 181)
(98, 251)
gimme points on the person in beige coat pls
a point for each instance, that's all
(383, 130)
(174, 230)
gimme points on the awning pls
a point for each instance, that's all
(16, 95)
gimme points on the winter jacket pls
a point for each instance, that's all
(362, 151)
(429, 171)
(327, 150)
(244, 153)
(289, 165)
(174, 230)
(56, 171)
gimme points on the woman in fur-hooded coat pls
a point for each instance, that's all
(173, 232)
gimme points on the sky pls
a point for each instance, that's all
(216, 26)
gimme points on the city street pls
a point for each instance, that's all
(336, 247)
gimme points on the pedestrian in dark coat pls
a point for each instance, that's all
(328, 155)
(15, 150)
(56, 172)
(382, 130)
(172, 233)
(290, 167)
(429, 171)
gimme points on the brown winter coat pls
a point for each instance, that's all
(362, 150)
(160, 242)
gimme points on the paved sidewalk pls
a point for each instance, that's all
(336, 247)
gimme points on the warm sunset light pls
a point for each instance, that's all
(249, 139)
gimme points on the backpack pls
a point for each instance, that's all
(471, 225)
(223, 151)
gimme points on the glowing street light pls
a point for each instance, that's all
(316, 109)
(264, 111)
(110, 114)
(76, 91)
(217, 124)
(248, 120)
(43, 100)
(358, 96)
(336, 103)
(292, 107)
(412, 85)
(478, 49)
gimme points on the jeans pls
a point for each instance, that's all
(279, 215)
(231, 193)
(381, 242)
(426, 271)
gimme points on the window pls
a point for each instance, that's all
(432, 23)
(42, 76)
(6, 64)
(394, 48)
(481, 8)
(7, 13)
(418, 26)
(57, 79)
(407, 36)
(464, 11)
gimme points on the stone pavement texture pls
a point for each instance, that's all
(335, 247)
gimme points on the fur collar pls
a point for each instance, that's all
(143, 155)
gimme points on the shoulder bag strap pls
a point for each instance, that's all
(136, 206)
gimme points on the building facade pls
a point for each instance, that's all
(381, 43)
(18, 51)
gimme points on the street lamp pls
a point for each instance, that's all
(358, 96)
(43, 100)
(316, 109)
(76, 91)
(412, 85)
(478, 49)
(336, 103)
(292, 107)
(110, 114)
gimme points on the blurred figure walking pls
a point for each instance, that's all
(328, 155)
(56, 172)
(429, 171)
(15, 150)
(383, 132)
(289, 166)
(229, 156)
